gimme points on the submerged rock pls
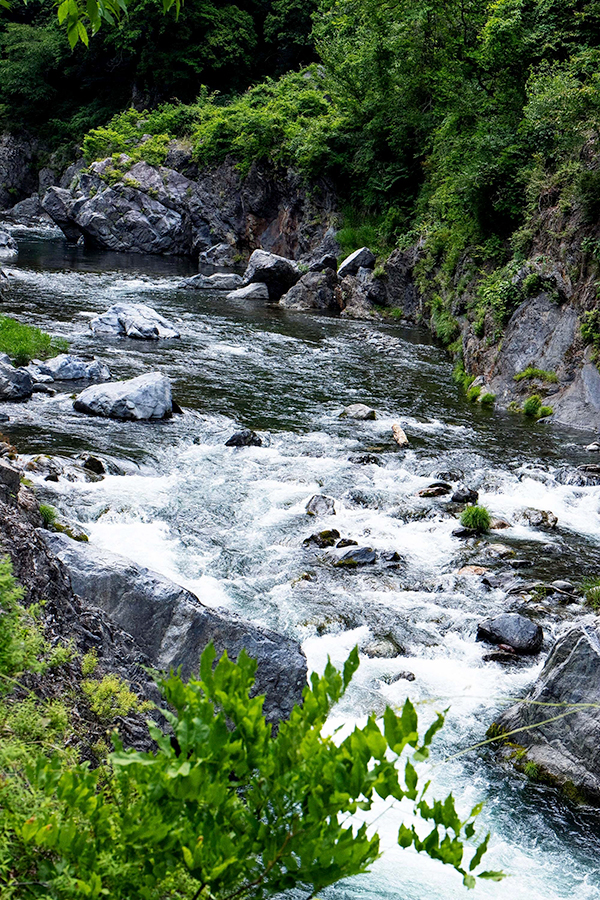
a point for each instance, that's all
(220, 281)
(360, 259)
(320, 505)
(8, 246)
(359, 556)
(173, 627)
(145, 397)
(323, 538)
(15, 384)
(244, 438)
(278, 273)
(518, 632)
(134, 320)
(539, 518)
(359, 411)
(569, 747)
(255, 291)
(464, 494)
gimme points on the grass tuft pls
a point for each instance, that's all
(477, 518)
(26, 342)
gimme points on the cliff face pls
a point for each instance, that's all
(545, 299)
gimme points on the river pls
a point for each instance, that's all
(229, 523)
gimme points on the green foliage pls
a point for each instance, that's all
(590, 331)
(477, 518)
(473, 393)
(487, 399)
(461, 377)
(591, 592)
(225, 808)
(534, 408)
(89, 663)
(109, 697)
(48, 514)
(540, 374)
(26, 342)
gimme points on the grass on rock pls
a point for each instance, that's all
(477, 518)
(26, 342)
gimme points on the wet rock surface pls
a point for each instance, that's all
(314, 291)
(8, 246)
(244, 438)
(134, 321)
(514, 630)
(15, 383)
(145, 397)
(319, 505)
(172, 627)
(278, 273)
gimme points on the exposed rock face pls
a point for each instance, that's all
(362, 258)
(244, 438)
(315, 290)
(15, 384)
(8, 246)
(520, 633)
(320, 505)
(134, 321)
(220, 281)
(17, 171)
(215, 215)
(360, 293)
(171, 625)
(145, 397)
(568, 748)
(278, 273)
(65, 367)
(358, 411)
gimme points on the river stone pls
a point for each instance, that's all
(315, 290)
(399, 435)
(520, 633)
(173, 627)
(254, 291)
(359, 556)
(568, 748)
(278, 273)
(8, 246)
(220, 281)
(437, 489)
(359, 411)
(464, 494)
(15, 384)
(362, 258)
(320, 505)
(244, 438)
(135, 321)
(70, 368)
(145, 397)
(323, 538)
(326, 261)
(539, 518)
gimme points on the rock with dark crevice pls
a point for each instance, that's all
(359, 556)
(323, 539)
(244, 438)
(320, 505)
(464, 494)
(513, 629)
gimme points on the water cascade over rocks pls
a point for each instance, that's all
(190, 537)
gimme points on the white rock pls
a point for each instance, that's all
(8, 246)
(65, 367)
(256, 291)
(135, 321)
(145, 397)
(360, 259)
(594, 447)
(220, 281)
(399, 435)
(358, 411)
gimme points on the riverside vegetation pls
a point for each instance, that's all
(221, 808)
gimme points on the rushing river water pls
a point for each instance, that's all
(230, 523)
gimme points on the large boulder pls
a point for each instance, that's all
(145, 397)
(173, 627)
(134, 320)
(518, 632)
(59, 204)
(8, 246)
(66, 367)
(220, 281)
(360, 259)
(567, 690)
(255, 291)
(15, 384)
(315, 290)
(18, 169)
(360, 293)
(277, 272)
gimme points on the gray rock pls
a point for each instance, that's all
(145, 397)
(539, 518)
(8, 246)
(134, 320)
(323, 538)
(10, 477)
(172, 626)
(244, 438)
(328, 261)
(15, 384)
(568, 748)
(28, 211)
(464, 494)
(218, 255)
(362, 258)
(58, 203)
(220, 281)
(564, 586)
(357, 556)
(315, 290)
(320, 505)
(520, 633)
(358, 411)
(65, 367)
(253, 291)
(278, 273)
(18, 171)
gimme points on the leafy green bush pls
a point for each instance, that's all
(109, 697)
(477, 518)
(488, 399)
(534, 407)
(48, 514)
(541, 374)
(473, 393)
(26, 342)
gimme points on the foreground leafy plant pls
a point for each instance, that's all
(223, 809)
(477, 518)
(26, 342)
